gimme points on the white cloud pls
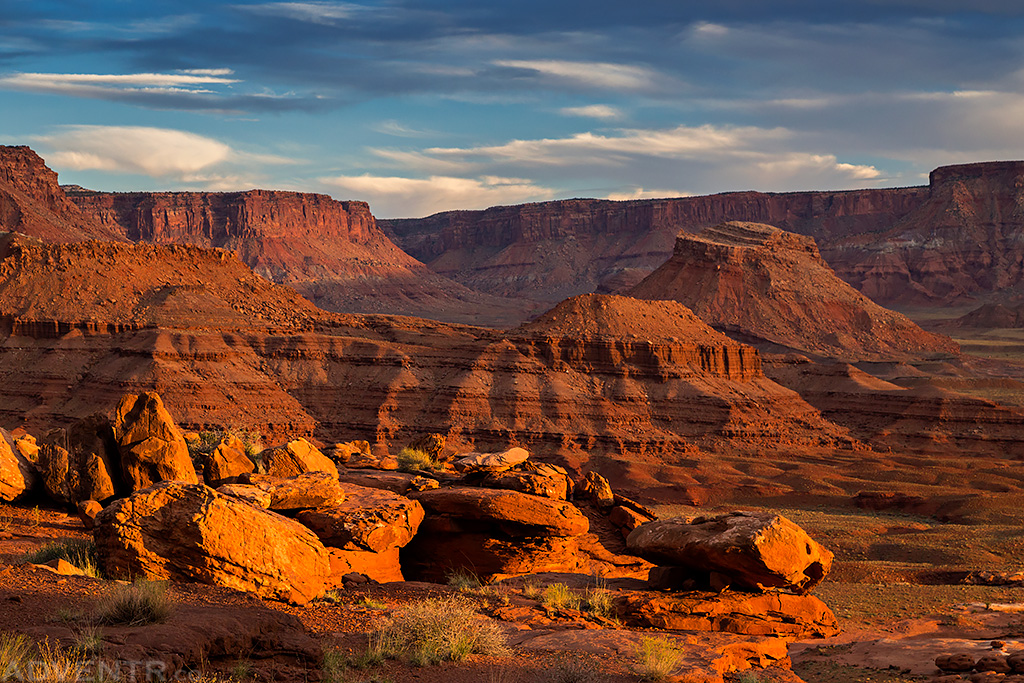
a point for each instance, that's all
(593, 74)
(594, 111)
(172, 156)
(312, 12)
(402, 197)
(72, 83)
(641, 193)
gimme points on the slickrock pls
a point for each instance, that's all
(764, 283)
(227, 463)
(307, 490)
(151, 447)
(17, 473)
(755, 551)
(296, 457)
(189, 532)
(756, 614)
(533, 515)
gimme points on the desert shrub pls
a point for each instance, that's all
(463, 579)
(531, 588)
(136, 604)
(437, 630)
(371, 603)
(81, 552)
(89, 641)
(560, 596)
(656, 659)
(242, 670)
(748, 677)
(14, 654)
(411, 459)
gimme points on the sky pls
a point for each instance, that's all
(420, 107)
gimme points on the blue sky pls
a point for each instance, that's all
(419, 107)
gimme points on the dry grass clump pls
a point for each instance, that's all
(412, 459)
(575, 670)
(657, 658)
(207, 442)
(136, 604)
(559, 596)
(14, 654)
(434, 631)
(81, 552)
(464, 580)
(55, 664)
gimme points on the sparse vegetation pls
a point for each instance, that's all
(57, 665)
(559, 596)
(463, 579)
(437, 630)
(89, 641)
(372, 603)
(242, 670)
(531, 588)
(67, 615)
(748, 677)
(14, 653)
(80, 552)
(575, 670)
(656, 659)
(136, 604)
(411, 459)
(601, 603)
(207, 442)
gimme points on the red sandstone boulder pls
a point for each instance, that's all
(492, 462)
(296, 457)
(755, 614)
(151, 447)
(227, 463)
(81, 463)
(755, 550)
(189, 532)
(596, 489)
(438, 551)
(307, 490)
(536, 479)
(369, 520)
(17, 474)
(250, 494)
(533, 515)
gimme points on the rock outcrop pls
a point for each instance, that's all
(151, 447)
(766, 284)
(227, 463)
(189, 532)
(754, 551)
(81, 463)
(314, 489)
(296, 457)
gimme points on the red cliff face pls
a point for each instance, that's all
(772, 285)
(32, 202)
(332, 252)
(963, 244)
(557, 249)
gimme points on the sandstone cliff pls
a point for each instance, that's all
(767, 284)
(553, 250)
(32, 202)
(332, 252)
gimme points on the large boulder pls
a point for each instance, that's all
(754, 550)
(534, 478)
(492, 462)
(227, 463)
(296, 457)
(370, 520)
(81, 463)
(307, 490)
(17, 474)
(189, 532)
(513, 511)
(151, 447)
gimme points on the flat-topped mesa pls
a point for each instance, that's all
(634, 337)
(32, 201)
(961, 246)
(760, 282)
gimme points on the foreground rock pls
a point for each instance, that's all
(754, 550)
(151, 447)
(366, 532)
(296, 457)
(755, 614)
(189, 532)
(81, 463)
(494, 534)
(308, 490)
(17, 474)
(227, 463)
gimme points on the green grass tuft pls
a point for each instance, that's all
(81, 552)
